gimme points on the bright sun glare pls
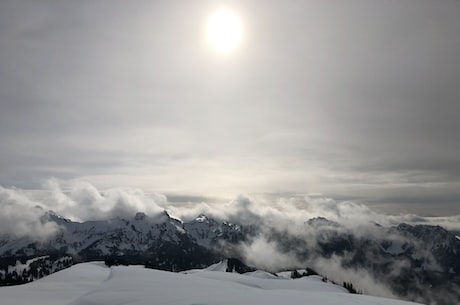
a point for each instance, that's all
(224, 31)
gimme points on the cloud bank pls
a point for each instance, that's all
(21, 210)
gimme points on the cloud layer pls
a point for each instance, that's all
(81, 201)
(355, 100)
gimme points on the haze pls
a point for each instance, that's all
(355, 100)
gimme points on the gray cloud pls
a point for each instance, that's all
(357, 99)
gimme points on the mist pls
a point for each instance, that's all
(82, 201)
(285, 237)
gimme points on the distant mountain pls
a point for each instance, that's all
(417, 262)
(427, 248)
(162, 241)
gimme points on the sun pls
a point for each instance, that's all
(224, 31)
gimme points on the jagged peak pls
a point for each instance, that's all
(50, 215)
(202, 218)
(322, 222)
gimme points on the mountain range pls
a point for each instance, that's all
(416, 262)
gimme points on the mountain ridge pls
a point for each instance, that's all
(409, 259)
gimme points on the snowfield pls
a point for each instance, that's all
(95, 284)
(58, 288)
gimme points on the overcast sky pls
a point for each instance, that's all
(354, 100)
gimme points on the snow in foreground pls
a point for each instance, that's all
(93, 283)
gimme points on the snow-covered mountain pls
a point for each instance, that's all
(415, 262)
(94, 283)
(429, 248)
(208, 232)
(159, 242)
(136, 236)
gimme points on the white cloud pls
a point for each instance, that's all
(82, 201)
(265, 254)
(20, 216)
(21, 212)
(360, 278)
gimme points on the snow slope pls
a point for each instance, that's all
(220, 266)
(58, 288)
(92, 283)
